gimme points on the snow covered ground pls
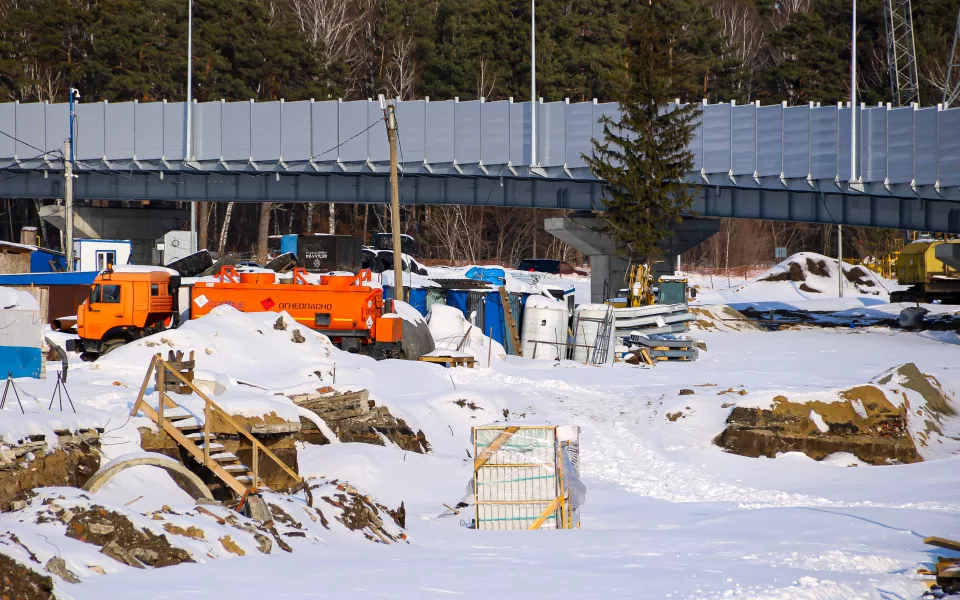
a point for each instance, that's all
(668, 514)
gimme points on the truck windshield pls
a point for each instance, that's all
(107, 294)
(672, 292)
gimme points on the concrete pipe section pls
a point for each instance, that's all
(184, 477)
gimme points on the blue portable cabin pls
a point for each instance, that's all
(21, 335)
(43, 260)
(33, 259)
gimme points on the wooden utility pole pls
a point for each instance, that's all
(395, 204)
(68, 199)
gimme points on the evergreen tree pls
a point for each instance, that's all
(644, 156)
(811, 64)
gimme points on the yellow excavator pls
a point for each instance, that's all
(640, 290)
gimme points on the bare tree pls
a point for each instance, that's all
(398, 74)
(743, 30)
(263, 232)
(486, 78)
(331, 24)
(225, 228)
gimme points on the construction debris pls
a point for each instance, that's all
(352, 417)
(664, 347)
(947, 568)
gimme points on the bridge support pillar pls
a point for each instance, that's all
(608, 270)
(142, 226)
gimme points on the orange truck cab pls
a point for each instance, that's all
(343, 307)
(124, 306)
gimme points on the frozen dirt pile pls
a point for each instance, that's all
(902, 416)
(816, 274)
(95, 538)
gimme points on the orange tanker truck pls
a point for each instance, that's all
(342, 307)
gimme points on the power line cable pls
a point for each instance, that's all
(371, 126)
(19, 141)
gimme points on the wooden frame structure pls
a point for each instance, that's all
(559, 507)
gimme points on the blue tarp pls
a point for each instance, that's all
(489, 311)
(458, 300)
(494, 275)
(493, 318)
(288, 243)
(417, 298)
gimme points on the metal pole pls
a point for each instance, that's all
(68, 196)
(840, 257)
(853, 95)
(395, 204)
(533, 83)
(853, 136)
(188, 144)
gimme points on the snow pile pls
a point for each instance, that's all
(236, 346)
(806, 277)
(449, 328)
(95, 536)
(547, 302)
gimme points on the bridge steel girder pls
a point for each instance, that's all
(831, 203)
(768, 162)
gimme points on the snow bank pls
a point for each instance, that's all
(544, 302)
(804, 277)
(448, 327)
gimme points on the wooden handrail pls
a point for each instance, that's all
(146, 382)
(214, 406)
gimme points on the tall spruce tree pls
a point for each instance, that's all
(643, 157)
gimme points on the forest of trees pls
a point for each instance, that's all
(768, 50)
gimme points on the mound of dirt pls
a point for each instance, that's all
(23, 583)
(815, 273)
(32, 464)
(896, 418)
(121, 540)
(721, 317)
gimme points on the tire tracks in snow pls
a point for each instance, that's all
(617, 455)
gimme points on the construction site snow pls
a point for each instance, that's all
(806, 280)
(668, 514)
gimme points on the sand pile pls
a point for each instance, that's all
(901, 416)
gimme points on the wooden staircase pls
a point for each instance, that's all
(194, 435)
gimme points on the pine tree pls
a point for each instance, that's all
(644, 157)
(811, 64)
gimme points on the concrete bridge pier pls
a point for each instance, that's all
(142, 226)
(608, 269)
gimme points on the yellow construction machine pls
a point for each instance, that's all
(932, 269)
(640, 290)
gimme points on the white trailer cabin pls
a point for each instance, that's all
(95, 255)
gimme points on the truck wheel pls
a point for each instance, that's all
(111, 345)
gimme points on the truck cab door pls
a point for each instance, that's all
(105, 308)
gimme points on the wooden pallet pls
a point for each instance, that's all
(450, 361)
